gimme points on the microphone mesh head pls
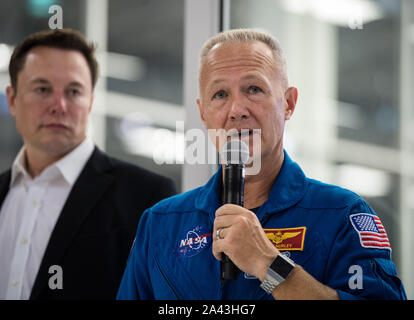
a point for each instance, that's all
(235, 152)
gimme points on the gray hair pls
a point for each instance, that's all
(246, 35)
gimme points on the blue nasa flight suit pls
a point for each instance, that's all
(172, 257)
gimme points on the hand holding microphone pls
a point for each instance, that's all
(239, 239)
(236, 155)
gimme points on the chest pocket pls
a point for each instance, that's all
(180, 277)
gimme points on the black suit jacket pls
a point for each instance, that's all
(94, 233)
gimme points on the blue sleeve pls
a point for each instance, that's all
(128, 287)
(360, 267)
(135, 283)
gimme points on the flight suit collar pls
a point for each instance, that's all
(287, 190)
(209, 198)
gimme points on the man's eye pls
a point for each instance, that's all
(254, 90)
(74, 92)
(220, 95)
(41, 89)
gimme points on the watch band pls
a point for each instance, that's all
(277, 272)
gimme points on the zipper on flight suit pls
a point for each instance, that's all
(166, 279)
(264, 219)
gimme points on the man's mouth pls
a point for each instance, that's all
(239, 133)
(55, 126)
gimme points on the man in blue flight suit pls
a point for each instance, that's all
(294, 238)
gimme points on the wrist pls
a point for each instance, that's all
(265, 266)
(277, 272)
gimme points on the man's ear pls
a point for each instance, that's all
(291, 96)
(11, 97)
(92, 100)
(200, 109)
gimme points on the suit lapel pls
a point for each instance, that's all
(4, 185)
(86, 192)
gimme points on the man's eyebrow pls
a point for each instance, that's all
(45, 81)
(40, 81)
(246, 77)
(217, 81)
(212, 85)
(251, 76)
(75, 84)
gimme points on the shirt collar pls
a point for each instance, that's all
(70, 166)
(18, 167)
(287, 190)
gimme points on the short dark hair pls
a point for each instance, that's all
(67, 39)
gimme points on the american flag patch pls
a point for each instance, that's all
(370, 230)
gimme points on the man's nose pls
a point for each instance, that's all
(59, 104)
(238, 109)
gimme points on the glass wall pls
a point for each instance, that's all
(139, 92)
(145, 83)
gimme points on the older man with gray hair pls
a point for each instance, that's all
(294, 237)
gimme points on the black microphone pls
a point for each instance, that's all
(235, 154)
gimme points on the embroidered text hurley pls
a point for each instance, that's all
(288, 238)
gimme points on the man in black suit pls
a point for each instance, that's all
(68, 212)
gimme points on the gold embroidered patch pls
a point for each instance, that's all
(288, 238)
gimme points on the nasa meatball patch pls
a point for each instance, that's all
(193, 241)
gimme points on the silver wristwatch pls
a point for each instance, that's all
(278, 271)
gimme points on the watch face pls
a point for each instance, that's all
(282, 266)
(277, 273)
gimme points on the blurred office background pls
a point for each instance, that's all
(351, 60)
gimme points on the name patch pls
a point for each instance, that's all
(287, 239)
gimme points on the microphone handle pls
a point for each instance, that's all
(233, 193)
(228, 268)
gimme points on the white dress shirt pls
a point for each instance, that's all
(29, 214)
